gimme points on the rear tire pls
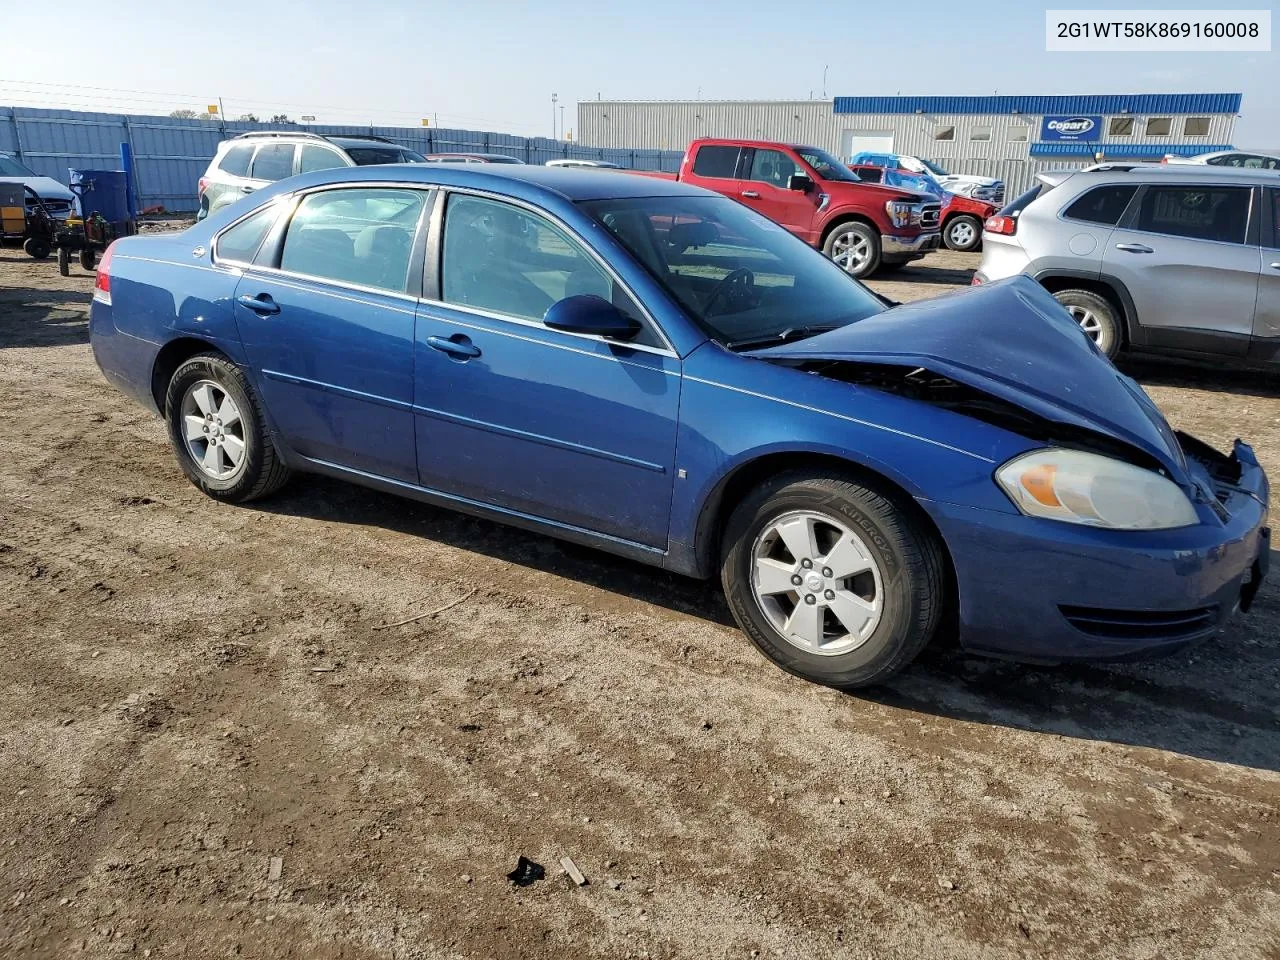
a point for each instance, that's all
(64, 261)
(88, 259)
(963, 233)
(37, 248)
(1097, 317)
(218, 431)
(817, 630)
(854, 247)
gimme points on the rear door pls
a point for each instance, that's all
(1188, 254)
(716, 167)
(767, 173)
(327, 324)
(1266, 323)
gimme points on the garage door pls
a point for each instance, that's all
(866, 141)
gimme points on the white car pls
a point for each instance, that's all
(597, 164)
(59, 201)
(1230, 158)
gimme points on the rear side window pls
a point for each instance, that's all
(716, 162)
(365, 156)
(362, 236)
(240, 243)
(1105, 205)
(274, 161)
(236, 160)
(1199, 213)
(318, 158)
(1022, 201)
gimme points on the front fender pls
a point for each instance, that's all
(738, 410)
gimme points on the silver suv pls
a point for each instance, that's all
(1151, 257)
(245, 163)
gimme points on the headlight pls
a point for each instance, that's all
(899, 212)
(1078, 487)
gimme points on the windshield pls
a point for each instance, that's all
(934, 168)
(366, 156)
(825, 165)
(10, 167)
(741, 277)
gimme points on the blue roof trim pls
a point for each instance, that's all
(1118, 151)
(1110, 103)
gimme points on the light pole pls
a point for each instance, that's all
(562, 120)
(553, 116)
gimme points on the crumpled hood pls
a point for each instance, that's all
(969, 178)
(47, 187)
(1012, 340)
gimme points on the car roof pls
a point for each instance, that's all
(303, 135)
(1182, 171)
(570, 183)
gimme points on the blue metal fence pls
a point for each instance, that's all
(170, 155)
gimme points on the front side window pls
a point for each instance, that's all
(240, 242)
(1253, 162)
(1199, 213)
(745, 280)
(507, 260)
(716, 162)
(360, 235)
(318, 158)
(773, 167)
(273, 161)
(1103, 205)
(825, 165)
(1196, 127)
(1159, 126)
(1120, 127)
(367, 156)
(10, 167)
(236, 160)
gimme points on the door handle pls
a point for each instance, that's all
(751, 194)
(1276, 265)
(1134, 248)
(262, 303)
(462, 347)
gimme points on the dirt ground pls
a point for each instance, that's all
(191, 690)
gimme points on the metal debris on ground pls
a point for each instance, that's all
(572, 870)
(526, 872)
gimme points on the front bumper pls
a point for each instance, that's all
(909, 248)
(1045, 591)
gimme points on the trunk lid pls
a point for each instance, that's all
(1012, 340)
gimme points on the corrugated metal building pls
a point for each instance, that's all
(1011, 137)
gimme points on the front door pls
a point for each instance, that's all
(327, 323)
(1185, 258)
(765, 191)
(1266, 324)
(569, 428)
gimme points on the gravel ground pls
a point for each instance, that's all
(192, 690)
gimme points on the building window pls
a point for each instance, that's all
(1196, 127)
(980, 133)
(1018, 133)
(1120, 127)
(1159, 126)
(944, 133)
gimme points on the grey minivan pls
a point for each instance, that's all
(250, 161)
(1150, 257)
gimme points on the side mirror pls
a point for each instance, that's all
(591, 315)
(801, 182)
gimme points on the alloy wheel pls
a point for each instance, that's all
(851, 251)
(213, 430)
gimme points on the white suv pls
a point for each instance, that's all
(252, 160)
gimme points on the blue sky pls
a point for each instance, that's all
(494, 64)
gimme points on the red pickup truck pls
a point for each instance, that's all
(861, 226)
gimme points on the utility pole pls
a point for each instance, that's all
(562, 119)
(553, 116)
(824, 81)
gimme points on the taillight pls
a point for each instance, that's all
(1006, 226)
(976, 281)
(201, 184)
(102, 284)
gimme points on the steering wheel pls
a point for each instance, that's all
(738, 288)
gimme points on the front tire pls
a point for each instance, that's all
(854, 247)
(1096, 316)
(218, 432)
(831, 579)
(963, 233)
(64, 261)
(37, 248)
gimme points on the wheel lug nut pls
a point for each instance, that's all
(810, 599)
(806, 563)
(826, 572)
(797, 580)
(205, 429)
(830, 594)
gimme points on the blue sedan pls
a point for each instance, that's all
(657, 371)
